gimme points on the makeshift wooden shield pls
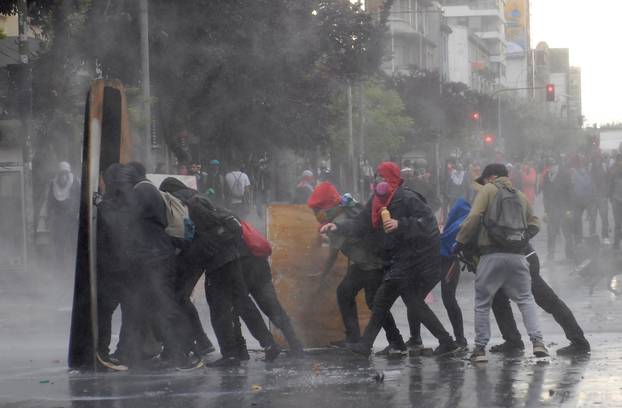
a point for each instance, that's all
(106, 140)
(298, 258)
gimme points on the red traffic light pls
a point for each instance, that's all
(489, 139)
(475, 116)
(550, 93)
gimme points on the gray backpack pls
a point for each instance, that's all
(506, 220)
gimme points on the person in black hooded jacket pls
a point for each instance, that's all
(410, 246)
(226, 292)
(152, 262)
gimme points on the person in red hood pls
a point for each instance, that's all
(409, 244)
(364, 264)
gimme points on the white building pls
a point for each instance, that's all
(417, 36)
(480, 26)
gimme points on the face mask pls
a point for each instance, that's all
(382, 188)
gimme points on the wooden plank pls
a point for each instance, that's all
(298, 258)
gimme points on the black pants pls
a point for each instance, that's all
(258, 279)
(557, 225)
(413, 292)
(358, 279)
(227, 297)
(546, 298)
(188, 274)
(448, 293)
(154, 303)
(109, 297)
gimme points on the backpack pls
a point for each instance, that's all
(211, 219)
(179, 222)
(256, 243)
(506, 220)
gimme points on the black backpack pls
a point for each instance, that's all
(214, 220)
(506, 220)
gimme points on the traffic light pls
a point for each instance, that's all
(475, 116)
(489, 139)
(550, 93)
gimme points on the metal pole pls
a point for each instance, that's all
(25, 110)
(146, 80)
(499, 117)
(351, 137)
(361, 155)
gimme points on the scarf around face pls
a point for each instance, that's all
(390, 172)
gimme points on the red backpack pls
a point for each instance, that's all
(255, 242)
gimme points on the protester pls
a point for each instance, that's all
(529, 181)
(548, 300)
(304, 188)
(217, 249)
(615, 195)
(600, 204)
(583, 195)
(409, 241)
(236, 193)
(60, 212)
(556, 192)
(215, 183)
(364, 264)
(200, 176)
(501, 266)
(450, 277)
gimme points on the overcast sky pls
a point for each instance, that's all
(593, 32)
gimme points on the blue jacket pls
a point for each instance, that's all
(456, 216)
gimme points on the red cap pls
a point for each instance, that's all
(324, 196)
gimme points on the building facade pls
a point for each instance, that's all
(481, 25)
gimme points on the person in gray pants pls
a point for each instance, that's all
(499, 267)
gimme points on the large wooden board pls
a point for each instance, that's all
(298, 257)
(106, 140)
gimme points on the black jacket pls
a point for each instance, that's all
(413, 247)
(206, 249)
(149, 211)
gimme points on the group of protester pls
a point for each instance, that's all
(396, 250)
(160, 240)
(153, 262)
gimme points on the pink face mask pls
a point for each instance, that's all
(382, 188)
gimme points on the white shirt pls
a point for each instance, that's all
(237, 182)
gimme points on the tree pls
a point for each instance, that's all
(387, 125)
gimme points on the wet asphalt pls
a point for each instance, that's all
(34, 322)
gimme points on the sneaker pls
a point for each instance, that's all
(539, 350)
(414, 342)
(462, 344)
(230, 361)
(479, 355)
(111, 363)
(415, 349)
(574, 349)
(445, 348)
(606, 241)
(189, 364)
(201, 348)
(359, 348)
(393, 349)
(272, 352)
(508, 347)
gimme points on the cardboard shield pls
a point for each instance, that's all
(298, 258)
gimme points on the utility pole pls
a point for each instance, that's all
(25, 112)
(361, 138)
(146, 80)
(351, 138)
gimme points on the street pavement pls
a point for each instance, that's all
(34, 326)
